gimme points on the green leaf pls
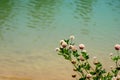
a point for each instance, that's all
(93, 73)
(87, 67)
(103, 71)
(79, 68)
(98, 65)
(75, 54)
(116, 58)
(85, 55)
(67, 41)
(67, 57)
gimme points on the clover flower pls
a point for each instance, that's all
(82, 58)
(61, 41)
(73, 62)
(88, 76)
(118, 77)
(72, 37)
(114, 78)
(111, 67)
(70, 46)
(81, 46)
(95, 61)
(74, 75)
(64, 44)
(117, 47)
(111, 54)
(74, 48)
(57, 49)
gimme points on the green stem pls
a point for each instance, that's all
(90, 65)
(82, 74)
(116, 64)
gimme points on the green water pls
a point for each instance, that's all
(30, 30)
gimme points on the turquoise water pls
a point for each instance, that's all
(30, 30)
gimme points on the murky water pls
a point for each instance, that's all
(31, 29)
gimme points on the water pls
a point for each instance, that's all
(30, 30)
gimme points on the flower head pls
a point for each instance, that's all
(114, 78)
(94, 57)
(74, 75)
(88, 76)
(57, 49)
(111, 54)
(64, 44)
(61, 41)
(111, 67)
(95, 61)
(118, 77)
(81, 46)
(72, 37)
(74, 69)
(70, 46)
(74, 48)
(73, 62)
(117, 47)
(82, 58)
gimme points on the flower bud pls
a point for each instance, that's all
(74, 69)
(117, 47)
(74, 75)
(73, 62)
(111, 54)
(81, 46)
(118, 77)
(95, 61)
(111, 67)
(70, 46)
(82, 58)
(72, 37)
(74, 48)
(61, 41)
(94, 57)
(57, 49)
(64, 44)
(88, 76)
(114, 78)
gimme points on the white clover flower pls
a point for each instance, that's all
(114, 78)
(111, 67)
(70, 46)
(94, 57)
(111, 54)
(95, 61)
(73, 62)
(72, 37)
(57, 49)
(61, 41)
(118, 77)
